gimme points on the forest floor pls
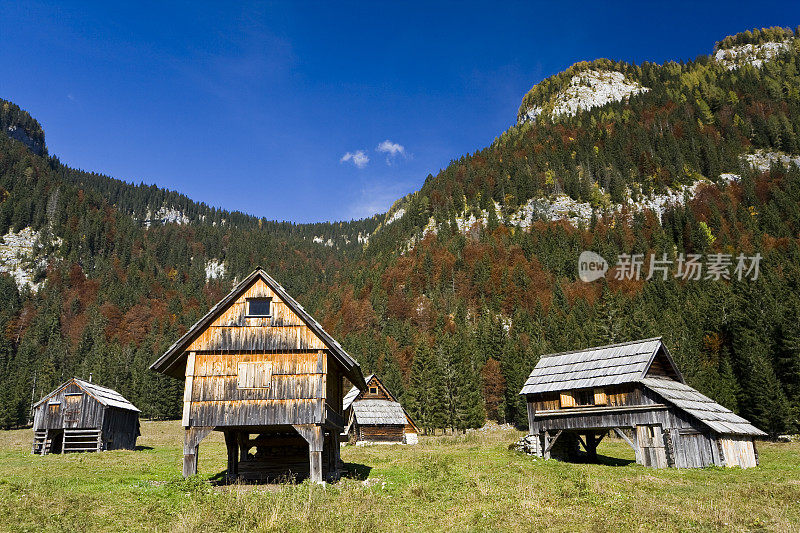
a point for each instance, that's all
(449, 483)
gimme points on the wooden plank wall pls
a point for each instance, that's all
(234, 331)
(120, 429)
(83, 413)
(381, 433)
(296, 393)
(334, 393)
(613, 396)
(738, 451)
(651, 443)
(692, 449)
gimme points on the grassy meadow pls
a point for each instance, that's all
(450, 483)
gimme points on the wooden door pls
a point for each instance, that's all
(72, 409)
(651, 443)
(693, 450)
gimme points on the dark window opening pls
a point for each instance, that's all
(373, 390)
(259, 307)
(584, 397)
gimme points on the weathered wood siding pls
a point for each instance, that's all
(618, 395)
(653, 449)
(76, 409)
(380, 433)
(120, 429)
(296, 393)
(234, 331)
(738, 451)
(334, 389)
(692, 449)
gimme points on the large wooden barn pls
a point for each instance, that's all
(635, 390)
(374, 415)
(260, 369)
(79, 416)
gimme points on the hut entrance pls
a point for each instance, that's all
(56, 437)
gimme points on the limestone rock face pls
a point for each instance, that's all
(591, 88)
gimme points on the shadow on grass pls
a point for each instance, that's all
(599, 460)
(351, 471)
(356, 471)
(142, 448)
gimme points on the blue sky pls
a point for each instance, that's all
(256, 107)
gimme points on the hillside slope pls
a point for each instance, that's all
(464, 284)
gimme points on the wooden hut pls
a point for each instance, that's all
(260, 369)
(80, 416)
(635, 390)
(374, 415)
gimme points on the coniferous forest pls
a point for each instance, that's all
(452, 320)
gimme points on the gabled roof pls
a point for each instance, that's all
(106, 396)
(174, 355)
(597, 367)
(709, 412)
(353, 393)
(369, 409)
(377, 412)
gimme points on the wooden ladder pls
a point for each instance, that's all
(41, 442)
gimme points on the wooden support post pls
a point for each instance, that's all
(44, 442)
(637, 450)
(337, 452)
(191, 446)
(531, 418)
(592, 450)
(546, 449)
(187, 390)
(548, 443)
(232, 444)
(313, 434)
(242, 439)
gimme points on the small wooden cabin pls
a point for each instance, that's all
(635, 390)
(374, 415)
(80, 416)
(261, 370)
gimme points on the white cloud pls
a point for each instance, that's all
(358, 158)
(391, 148)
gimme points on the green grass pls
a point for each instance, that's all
(461, 483)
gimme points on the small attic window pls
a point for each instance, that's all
(259, 307)
(373, 390)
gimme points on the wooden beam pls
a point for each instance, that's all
(624, 437)
(602, 436)
(232, 446)
(549, 445)
(315, 436)
(589, 410)
(187, 389)
(191, 446)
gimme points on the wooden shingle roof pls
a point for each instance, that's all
(104, 395)
(709, 412)
(630, 362)
(353, 393)
(378, 412)
(595, 367)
